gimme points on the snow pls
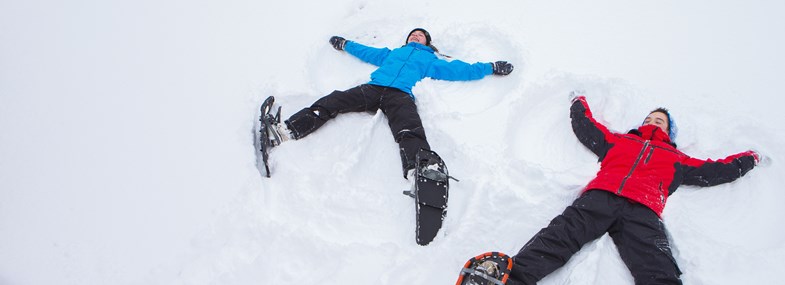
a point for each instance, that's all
(126, 151)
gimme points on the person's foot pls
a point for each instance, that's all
(282, 133)
(490, 268)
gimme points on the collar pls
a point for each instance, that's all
(652, 132)
(419, 46)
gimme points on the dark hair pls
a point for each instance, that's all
(427, 38)
(670, 120)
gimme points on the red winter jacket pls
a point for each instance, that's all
(644, 166)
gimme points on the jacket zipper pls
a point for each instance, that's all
(634, 165)
(408, 57)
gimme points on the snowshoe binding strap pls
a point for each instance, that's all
(431, 166)
(488, 279)
(277, 117)
(436, 175)
(271, 123)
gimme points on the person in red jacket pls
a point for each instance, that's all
(638, 171)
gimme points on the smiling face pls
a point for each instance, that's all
(658, 119)
(417, 36)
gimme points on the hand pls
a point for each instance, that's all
(576, 95)
(337, 42)
(502, 68)
(758, 158)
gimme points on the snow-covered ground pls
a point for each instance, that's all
(126, 152)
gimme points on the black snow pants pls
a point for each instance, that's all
(637, 231)
(397, 105)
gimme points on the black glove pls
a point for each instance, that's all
(337, 42)
(502, 68)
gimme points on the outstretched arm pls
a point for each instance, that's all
(368, 54)
(457, 70)
(590, 133)
(709, 172)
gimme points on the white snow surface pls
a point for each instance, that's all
(126, 152)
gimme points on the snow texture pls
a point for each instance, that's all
(126, 152)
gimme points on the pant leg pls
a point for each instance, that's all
(587, 219)
(643, 245)
(405, 125)
(358, 99)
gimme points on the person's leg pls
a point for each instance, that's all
(643, 245)
(358, 99)
(587, 219)
(405, 125)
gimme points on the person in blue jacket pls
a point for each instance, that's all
(390, 90)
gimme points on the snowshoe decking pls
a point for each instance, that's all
(430, 190)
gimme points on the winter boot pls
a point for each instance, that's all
(281, 131)
(277, 132)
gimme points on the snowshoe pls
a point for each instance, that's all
(430, 188)
(490, 268)
(268, 136)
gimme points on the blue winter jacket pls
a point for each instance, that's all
(403, 67)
